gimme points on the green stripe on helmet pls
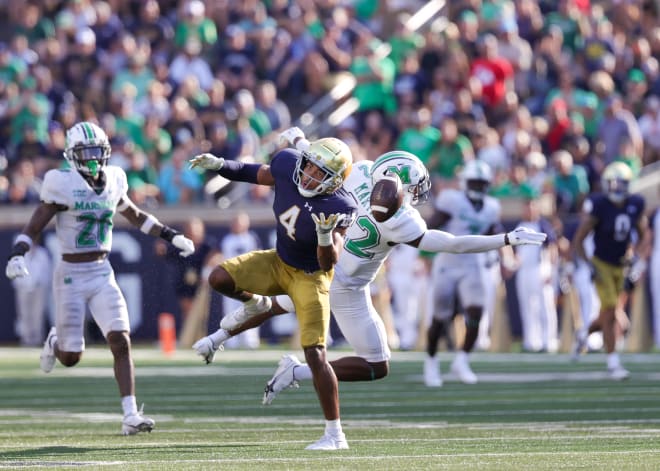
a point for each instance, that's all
(89, 131)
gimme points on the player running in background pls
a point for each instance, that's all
(612, 216)
(84, 200)
(461, 278)
(312, 213)
(367, 245)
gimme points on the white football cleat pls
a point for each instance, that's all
(47, 358)
(329, 443)
(245, 312)
(136, 423)
(432, 378)
(206, 349)
(461, 368)
(282, 379)
(618, 373)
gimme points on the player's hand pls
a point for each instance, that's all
(291, 135)
(184, 244)
(207, 162)
(525, 236)
(16, 267)
(325, 225)
(637, 269)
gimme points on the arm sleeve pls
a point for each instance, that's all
(440, 241)
(239, 171)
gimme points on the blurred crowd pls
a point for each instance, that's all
(546, 92)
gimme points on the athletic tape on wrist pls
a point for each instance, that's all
(26, 239)
(324, 238)
(149, 223)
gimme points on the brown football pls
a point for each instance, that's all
(386, 198)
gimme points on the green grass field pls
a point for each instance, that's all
(533, 412)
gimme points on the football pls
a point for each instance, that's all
(386, 197)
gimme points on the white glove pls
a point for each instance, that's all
(16, 267)
(290, 135)
(186, 245)
(325, 226)
(525, 236)
(207, 162)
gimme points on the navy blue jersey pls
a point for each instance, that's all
(615, 224)
(296, 231)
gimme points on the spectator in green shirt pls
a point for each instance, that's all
(374, 74)
(421, 138)
(195, 24)
(138, 75)
(513, 184)
(451, 153)
(403, 41)
(570, 182)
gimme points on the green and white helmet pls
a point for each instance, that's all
(411, 171)
(87, 148)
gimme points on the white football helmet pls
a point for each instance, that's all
(411, 171)
(616, 181)
(330, 155)
(475, 179)
(87, 148)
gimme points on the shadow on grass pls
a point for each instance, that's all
(123, 452)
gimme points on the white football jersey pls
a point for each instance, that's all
(86, 226)
(466, 220)
(367, 242)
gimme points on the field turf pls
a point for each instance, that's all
(528, 412)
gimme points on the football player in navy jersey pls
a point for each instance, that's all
(312, 213)
(612, 215)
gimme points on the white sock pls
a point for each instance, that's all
(129, 405)
(613, 360)
(333, 427)
(302, 371)
(461, 356)
(219, 336)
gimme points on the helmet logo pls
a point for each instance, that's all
(402, 172)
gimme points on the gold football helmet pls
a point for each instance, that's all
(330, 155)
(616, 181)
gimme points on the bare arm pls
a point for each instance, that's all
(586, 226)
(328, 255)
(148, 224)
(40, 218)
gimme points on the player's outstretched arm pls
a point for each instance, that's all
(440, 241)
(234, 170)
(16, 266)
(149, 224)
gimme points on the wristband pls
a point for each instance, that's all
(25, 239)
(324, 238)
(21, 246)
(19, 249)
(149, 223)
(168, 233)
